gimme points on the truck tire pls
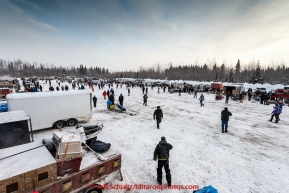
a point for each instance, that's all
(94, 189)
(48, 144)
(71, 122)
(59, 124)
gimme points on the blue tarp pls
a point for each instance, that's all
(207, 189)
(3, 107)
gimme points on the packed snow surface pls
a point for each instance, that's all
(252, 157)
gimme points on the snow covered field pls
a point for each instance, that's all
(252, 157)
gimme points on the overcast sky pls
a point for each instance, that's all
(124, 34)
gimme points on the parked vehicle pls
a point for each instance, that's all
(5, 91)
(148, 83)
(233, 89)
(286, 89)
(53, 109)
(15, 129)
(216, 86)
(260, 90)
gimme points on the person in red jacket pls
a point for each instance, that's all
(104, 94)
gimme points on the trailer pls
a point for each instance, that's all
(35, 169)
(15, 129)
(234, 89)
(216, 86)
(53, 109)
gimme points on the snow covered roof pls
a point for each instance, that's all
(11, 116)
(45, 94)
(23, 162)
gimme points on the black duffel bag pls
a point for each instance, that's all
(98, 146)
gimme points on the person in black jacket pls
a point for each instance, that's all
(162, 153)
(158, 114)
(111, 98)
(94, 101)
(262, 98)
(120, 99)
(265, 98)
(227, 97)
(225, 118)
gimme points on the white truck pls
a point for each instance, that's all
(53, 109)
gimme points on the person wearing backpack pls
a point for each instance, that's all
(162, 153)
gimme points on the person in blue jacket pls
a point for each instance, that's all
(281, 107)
(275, 113)
(202, 98)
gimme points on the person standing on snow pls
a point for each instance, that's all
(143, 90)
(120, 99)
(94, 101)
(145, 98)
(227, 97)
(265, 98)
(180, 92)
(225, 119)
(275, 113)
(104, 94)
(262, 98)
(111, 98)
(158, 114)
(147, 90)
(281, 107)
(128, 91)
(162, 153)
(202, 98)
(195, 94)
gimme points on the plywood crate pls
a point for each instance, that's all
(19, 179)
(28, 180)
(4, 183)
(52, 176)
(24, 168)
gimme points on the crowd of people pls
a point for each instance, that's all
(161, 152)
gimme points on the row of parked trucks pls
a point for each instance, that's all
(63, 162)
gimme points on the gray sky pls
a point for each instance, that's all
(124, 34)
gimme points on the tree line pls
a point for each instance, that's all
(19, 68)
(252, 72)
